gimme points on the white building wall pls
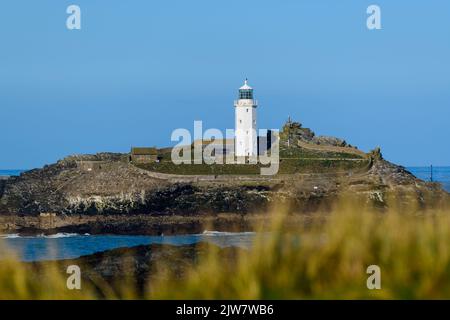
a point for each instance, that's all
(246, 128)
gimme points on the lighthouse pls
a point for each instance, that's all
(246, 137)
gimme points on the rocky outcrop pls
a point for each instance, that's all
(329, 141)
(107, 185)
(2, 185)
(294, 131)
(117, 187)
(179, 198)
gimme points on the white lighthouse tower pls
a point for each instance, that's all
(246, 137)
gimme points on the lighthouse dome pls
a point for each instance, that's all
(246, 92)
(246, 86)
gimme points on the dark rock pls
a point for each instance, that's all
(137, 267)
(329, 141)
(293, 131)
(74, 186)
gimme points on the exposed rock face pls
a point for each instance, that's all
(180, 198)
(67, 187)
(329, 141)
(106, 185)
(293, 131)
(2, 186)
(119, 188)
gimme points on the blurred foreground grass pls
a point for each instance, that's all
(326, 260)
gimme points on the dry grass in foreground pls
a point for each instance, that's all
(320, 261)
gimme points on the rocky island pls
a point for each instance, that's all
(109, 193)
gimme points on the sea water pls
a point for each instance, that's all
(437, 174)
(69, 245)
(10, 173)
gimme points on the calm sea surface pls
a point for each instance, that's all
(440, 174)
(67, 246)
(9, 173)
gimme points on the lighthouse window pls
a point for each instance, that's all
(247, 109)
(240, 121)
(245, 94)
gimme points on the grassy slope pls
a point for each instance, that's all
(292, 160)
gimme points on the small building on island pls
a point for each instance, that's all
(144, 155)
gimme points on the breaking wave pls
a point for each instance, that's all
(220, 233)
(49, 236)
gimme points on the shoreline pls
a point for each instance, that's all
(133, 224)
(144, 225)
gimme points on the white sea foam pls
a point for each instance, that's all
(59, 235)
(223, 233)
(9, 236)
(50, 236)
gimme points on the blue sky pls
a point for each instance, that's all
(139, 69)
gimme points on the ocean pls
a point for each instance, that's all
(10, 173)
(440, 174)
(68, 246)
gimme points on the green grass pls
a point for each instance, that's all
(200, 169)
(314, 154)
(292, 152)
(292, 160)
(287, 166)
